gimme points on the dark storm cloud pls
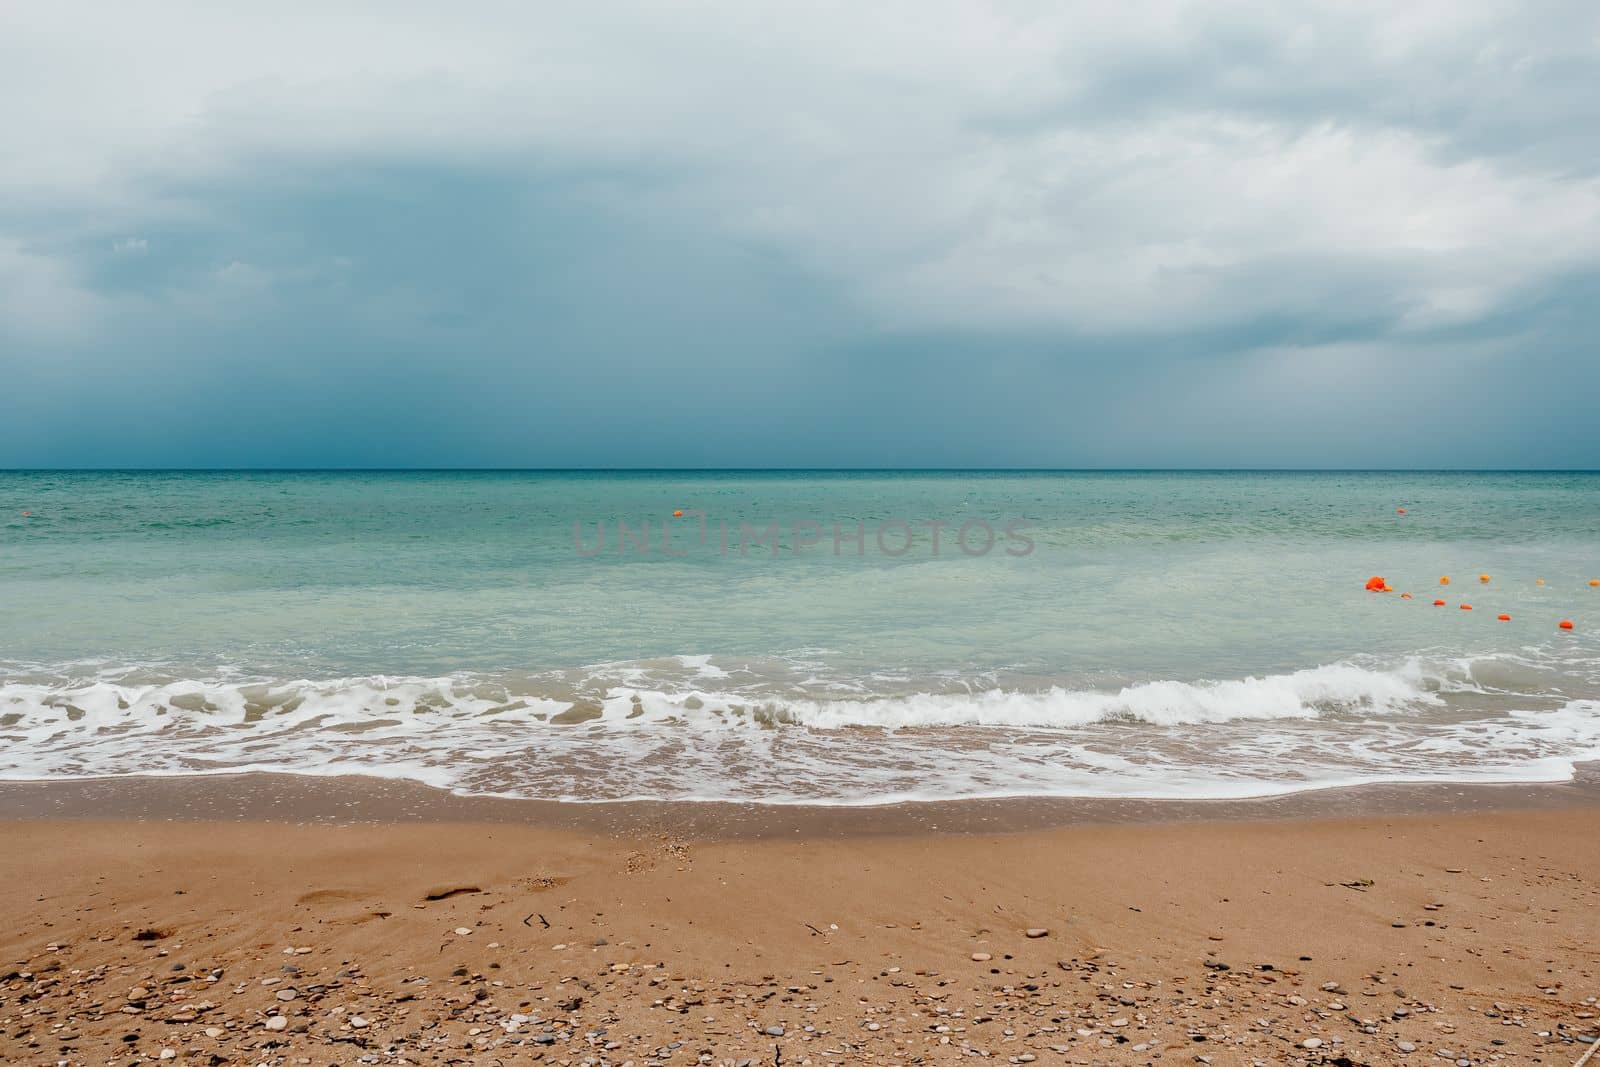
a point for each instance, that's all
(1325, 236)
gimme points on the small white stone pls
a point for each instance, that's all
(462, 931)
(277, 1022)
(1311, 1042)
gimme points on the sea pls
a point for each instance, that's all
(803, 637)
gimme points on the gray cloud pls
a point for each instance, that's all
(924, 234)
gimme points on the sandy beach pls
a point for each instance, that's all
(303, 935)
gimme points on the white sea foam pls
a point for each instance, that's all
(693, 729)
(1303, 694)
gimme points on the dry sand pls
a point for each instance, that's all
(1424, 939)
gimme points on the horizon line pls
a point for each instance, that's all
(797, 470)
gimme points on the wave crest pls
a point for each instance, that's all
(709, 733)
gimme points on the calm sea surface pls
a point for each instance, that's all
(1124, 634)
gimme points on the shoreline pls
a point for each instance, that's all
(275, 797)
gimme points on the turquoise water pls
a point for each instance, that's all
(1147, 634)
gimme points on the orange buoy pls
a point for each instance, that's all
(1466, 607)
(1538, 581)
(1376, 584)
(1565, 624)
(30, 513)
(1503, 617)
(1592, 581)
(1399, 511)
(1483, 577)
(1445, 580)
(1438, 603)
(677, 514)
(1405, 596)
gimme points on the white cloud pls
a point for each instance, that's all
(1158, 166)
(1203, 221)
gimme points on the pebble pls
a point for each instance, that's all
(1120, 1007)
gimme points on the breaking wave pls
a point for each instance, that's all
(691, 728)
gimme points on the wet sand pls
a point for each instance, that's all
(359, 799)
(316, 924)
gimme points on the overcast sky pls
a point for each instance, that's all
(749, 234)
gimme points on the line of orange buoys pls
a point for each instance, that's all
(1377, 584)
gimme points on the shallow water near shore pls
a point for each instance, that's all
(1167, 635)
